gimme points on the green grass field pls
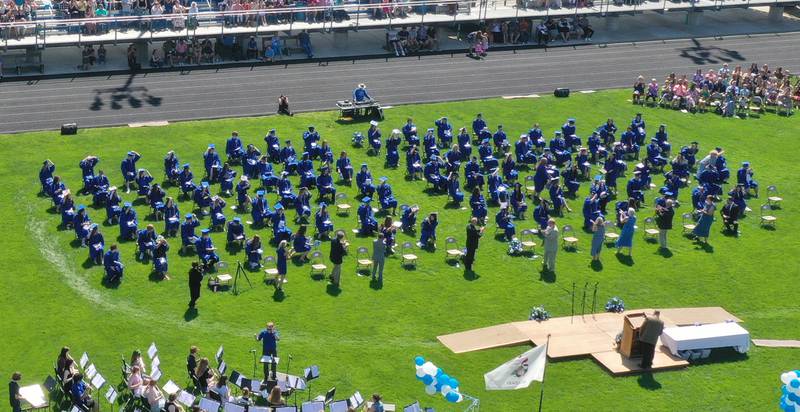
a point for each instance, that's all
(365, 338)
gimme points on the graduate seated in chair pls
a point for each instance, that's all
(324, 153)
(433, 175)
(494, 183)
(500, 140)
(322, 220)
(226, 178)
(252, 249)
(454, 188)
(363, 175)
(114, 269)
(143, 181)
(464, 141)
(311, 139)
(46, 176)
(680, 167)
(266, 174)
(305, 168)
(386, 197)
(591, 210)
(472, 174)
(171, 170)
(429, 144)
(413, 163)
(541, 213)
(478, 124)
(146, 243)
(744, 177)
(629, 145)
(128, 168)
(286, 190)
(82, 224)
(301, 243)
(234, 149)
(113, 209)
(360, 94)
(367, 222)
(87, 172)
(325, 184)
(302, 206)
(509, 167)
(662, 139)
(96, 244)
(654, 154)
(503, 219)
(557, 199)
(344, 168)
(478, 204)
(217, 213)
(280, 231)
(572, 175)
(202, 198)
(597, 150)
(524, 151)
(635, 190)
(260, 210)
(186, 180)
(205, 249)
(235, 231)
(128, 222)
(427, 237)
(639, 129)
(273, 145)
(408, 220)
(730, 216)
(444, 131)
(452, 159)
(242, 197)
(517, 200)
(288, 157)
(250, 159)
(212, 164)
(188, 237)
(409, 129)
(487, 156)
(160, 262)
(374, 137)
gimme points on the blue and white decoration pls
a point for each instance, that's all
(615, 305)
(436, 381)
(790, 391)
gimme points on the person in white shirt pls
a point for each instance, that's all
(394, 42)
(154, 396)
(550, 245)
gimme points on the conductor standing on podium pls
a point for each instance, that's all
(648, 338)
(269, 338)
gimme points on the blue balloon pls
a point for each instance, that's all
(794, 398)
(452, 396)
(438, 385)
(784, 390)
(444, 378)
(453, 383)
(794, 383)
(439, 372)
(427, 379)
(420, 378)
(419, 360)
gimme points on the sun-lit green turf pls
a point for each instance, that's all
(364, 338)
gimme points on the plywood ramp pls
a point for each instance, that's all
(690, 316)
(618, 364)
(484, 338)
(771, 343)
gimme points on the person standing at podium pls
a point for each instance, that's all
(648, 338)
(269, 338)
(360, 94)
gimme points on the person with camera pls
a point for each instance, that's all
(195, 282)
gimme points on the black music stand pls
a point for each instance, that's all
(240, 272)
(311, 373)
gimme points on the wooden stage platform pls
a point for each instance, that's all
(580, 336)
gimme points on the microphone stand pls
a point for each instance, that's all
(253, 351)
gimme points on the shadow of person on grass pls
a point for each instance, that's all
(705, 247)
(666, 253)
(333, 290)
(626, 260)
(596, 265)
(190, 314)
(547, 275)
(279, 295)
(471, 275)
(647, 381)
(374, 284)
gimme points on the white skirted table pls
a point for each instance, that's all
(697, 341)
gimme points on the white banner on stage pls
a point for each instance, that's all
(519, 372)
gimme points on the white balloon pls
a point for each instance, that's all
(460, 397)
(435, 381)
(430, 390)
(786, 377)
(429, 368)
(420, 372)
(446, 389)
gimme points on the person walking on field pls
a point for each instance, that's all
(195, 283)
(550, 234)
(378, 257)
(338, 250)
(474, 233)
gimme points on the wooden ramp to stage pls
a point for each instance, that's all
(589, 335)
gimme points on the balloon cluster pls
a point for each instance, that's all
(790, 391)
(436, 381)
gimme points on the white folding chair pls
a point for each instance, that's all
(209, 405)
(232, 407)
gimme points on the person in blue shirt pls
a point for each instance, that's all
(429, 144)
(536, 137)
(155, 198)
(698, 197)
(386, 197)
(408, 221)
(360, 94)
(557, 198)
(212, 163)
(345, 168)
(325, 152)
(363, 175)
(517, 201)
(288, 157)
(596, 148)
(46, 175)
(322, 220)
(252, 249)
(87, 171)
(81, 223)
(310, 139)
(409, 129)
(160, 263)
(128, 222)
(523, 150)
(541, 213)
(273, 145)
(427, 238)
(444, 131)
(171, 169)
(591, 210)
(392, 148)
(368, 223)
(654, 153)
(264, 171)
(269, 338)
(218, 212)
(113, 209)
(635, 189)
(325, 184)
(285, 189)
(186, 180)
(690, 153)
(454, 189)
(540, 176)
(413, 163)
(494, 183)
(629, 143)
(662, 138)
(464, 141)
(301, 243)
(128, 168)
(302, 206)
(478, 204)
(113, 267)
(509, 167)
(260, 210)
(739, 196)
(226, 178)
(452, 159)
(96, 244)
(478, 124)
(202, 198)
(503, 219)
(67, 209)
(242, 198)
(234, 149)
(374, 137)
(305, 168)
(146, 242)
(279, 229)
(235, 231)
(205, 248)
(572, 181)
(568, 128)
(433, 176)
(143, 180)
(744, 177)
(250, 161)
(188, 237)
(500, 140)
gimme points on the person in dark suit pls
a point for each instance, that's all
(474, 233)
(191, 361)
(338, 250)
(195, 282)
(730, 216)
(13, 392)
(648, 338)
(664, 216)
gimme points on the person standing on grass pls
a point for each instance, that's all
(474, 234)
(703, 228)
(338, 250)
(269, 338)
(13, 392)
(628, 221)
(648, 338)
(195, 282)
(664, 216)
(550, 234)
(598, 237)
(283, 257)
(378, 257)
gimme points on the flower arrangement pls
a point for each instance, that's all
(615, 305)
(514, 247)
(539, 313)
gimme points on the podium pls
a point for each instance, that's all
(629, 345)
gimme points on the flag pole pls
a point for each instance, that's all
(541, 392)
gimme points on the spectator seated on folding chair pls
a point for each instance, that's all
(568, 238)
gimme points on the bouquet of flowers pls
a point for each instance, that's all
(514, 247)
(538, 313)
(358, 139)
(615, 305)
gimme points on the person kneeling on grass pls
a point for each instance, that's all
(428, 231)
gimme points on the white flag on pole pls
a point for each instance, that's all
(519, 372)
